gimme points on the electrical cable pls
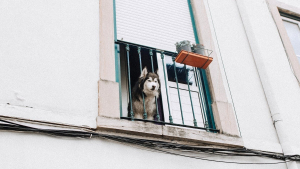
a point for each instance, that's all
(153, 144)
(205, 159)
(224, 68)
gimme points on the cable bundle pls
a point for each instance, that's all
(159, 146)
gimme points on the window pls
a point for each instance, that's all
(292, 27)
(182, 100)
(110, 80)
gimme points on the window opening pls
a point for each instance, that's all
(181, 101)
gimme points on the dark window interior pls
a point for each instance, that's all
(181, 72)
(135, 68)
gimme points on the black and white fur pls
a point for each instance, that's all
(149, 84)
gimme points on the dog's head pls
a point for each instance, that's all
(150, 83)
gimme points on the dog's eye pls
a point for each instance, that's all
(149, 80)
(155, 81)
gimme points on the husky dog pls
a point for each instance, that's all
(149, 85)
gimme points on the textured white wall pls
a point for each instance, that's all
(49, 60)
(247, 93)
(245, 84)
(27, 151)
(285, 87)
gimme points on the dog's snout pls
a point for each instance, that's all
(153, 87)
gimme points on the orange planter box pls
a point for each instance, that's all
(193, 59)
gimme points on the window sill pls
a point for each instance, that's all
(165, 132)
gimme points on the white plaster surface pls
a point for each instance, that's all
(49, 68)
(283, 87)
(49, 59)
(27, 151)
(248, 96)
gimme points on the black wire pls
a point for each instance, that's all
(205, 159)
(153, 144)
(220, 161)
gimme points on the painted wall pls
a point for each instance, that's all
(49, 60)
(242, 76)
(285, 87)
(55, 152)
(291, 109)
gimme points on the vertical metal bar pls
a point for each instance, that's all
(202, 73)
(141, 68)
(200, 86)
(200, 97)
(118, 75)
(188, 83)
(129, 83)
(151, 56)
(210, 117)
(193, 21)
(115, 20)
(173, 58)
(117, 58)
(166, 86)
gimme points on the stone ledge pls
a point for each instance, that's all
(166, 132)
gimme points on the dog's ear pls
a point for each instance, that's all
(144, 72)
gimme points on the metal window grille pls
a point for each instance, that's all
(182, 101)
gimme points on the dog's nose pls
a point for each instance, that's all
(153, 87)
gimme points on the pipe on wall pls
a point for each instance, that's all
(264, 68)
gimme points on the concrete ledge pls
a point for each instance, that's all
(196, 135)
(167, 133)
(135, 127)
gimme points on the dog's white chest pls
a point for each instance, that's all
(150, 107)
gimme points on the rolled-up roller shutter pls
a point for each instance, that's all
(154, 23)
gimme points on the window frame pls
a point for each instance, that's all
(295, 22)
(276, 8)
(108, 119)
(210, 117)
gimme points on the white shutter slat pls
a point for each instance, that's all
(156, 23)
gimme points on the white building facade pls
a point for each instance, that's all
(66, 67)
